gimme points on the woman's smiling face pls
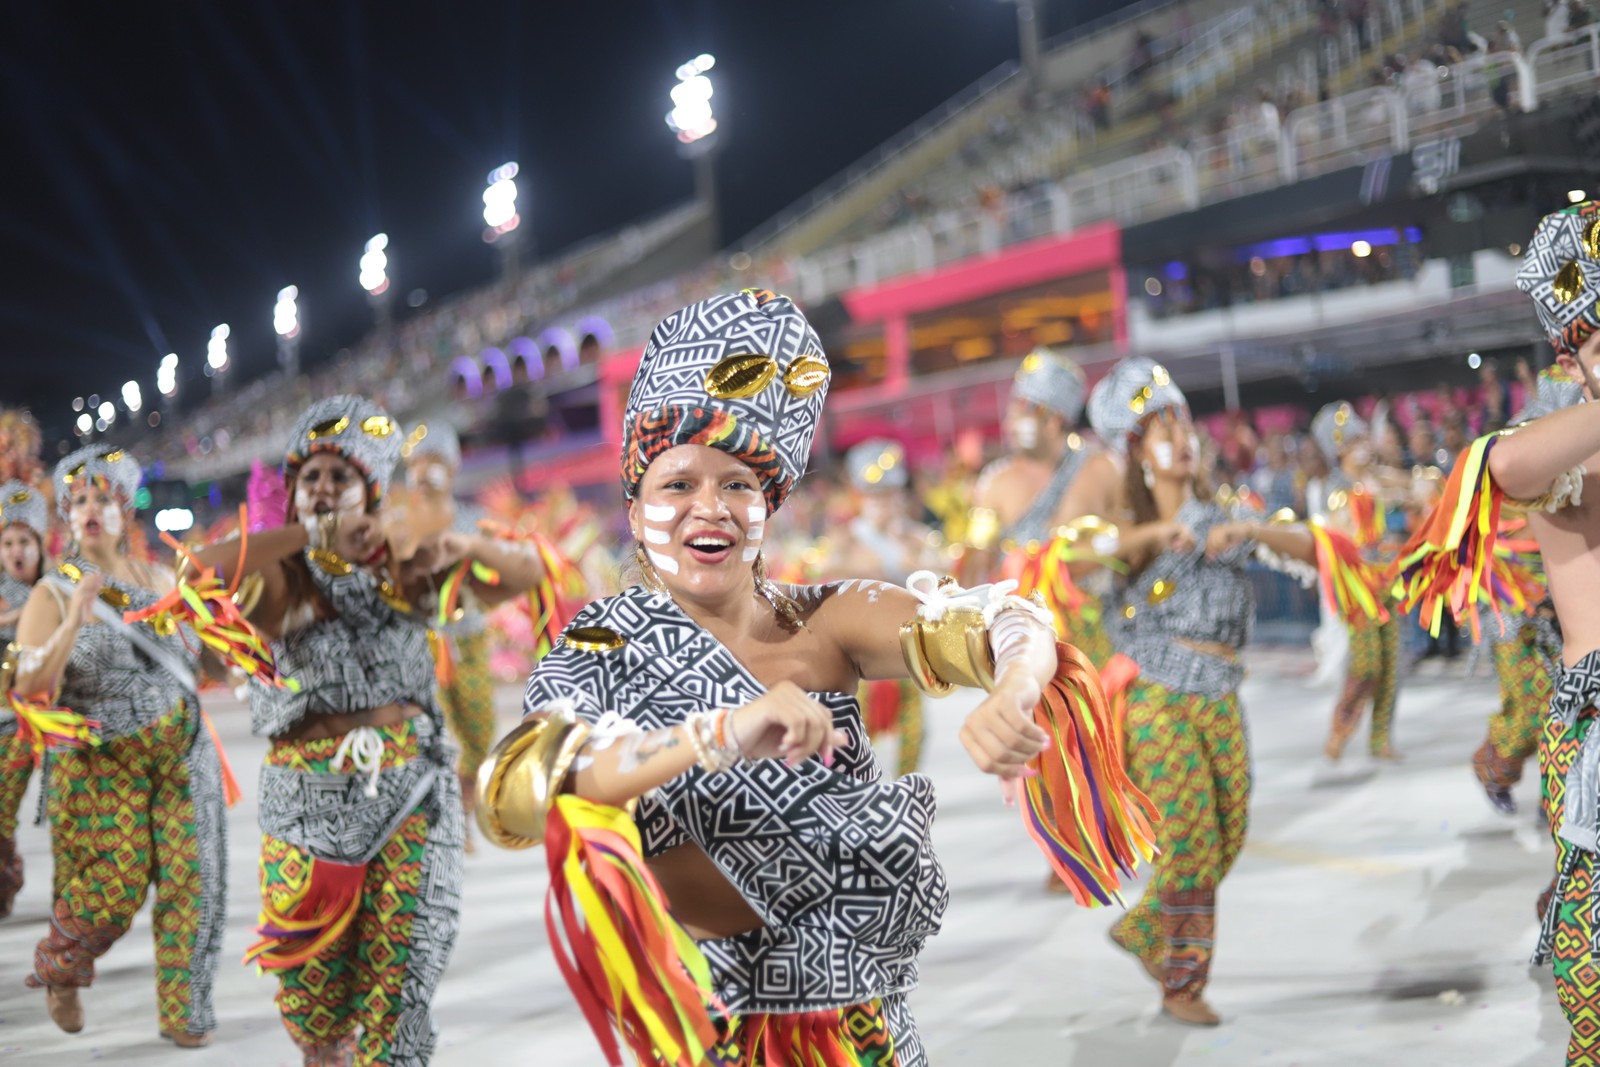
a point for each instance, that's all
(701, 518)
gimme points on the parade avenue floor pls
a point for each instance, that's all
(1377, 916)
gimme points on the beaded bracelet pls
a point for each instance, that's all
(709, 737)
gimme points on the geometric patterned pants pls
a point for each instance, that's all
(1571, 947)
(135, 812)
(1190, 755)
(1372, 678)
(16, 767)
(369, 994)
(469, 706)
(1514, 729)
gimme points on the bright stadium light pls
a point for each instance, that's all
(167, 374)
(217, 349)
(132, 396)
(286, 312)
(85, 424)
(108, 411)
(77, 403)
(375, 264)
(500, 202)
(691, 118)
(174, 520)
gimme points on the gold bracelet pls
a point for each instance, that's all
(947, 652)
(524, 774)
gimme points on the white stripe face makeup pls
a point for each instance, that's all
(657, 537)
(754, 534)
(660, 512)
(663, 563)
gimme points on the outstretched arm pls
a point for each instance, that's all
(1525, 463)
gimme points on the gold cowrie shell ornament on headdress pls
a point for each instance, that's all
(806, 375)
(21, 496)
(741, 377)
(1568, 283)
(329, 428)
(377, 426)
(1591, 238)
(413, 439)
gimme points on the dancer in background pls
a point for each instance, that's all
(1188, 606)
(24, 531)
(361, 853)
(1357, 506)
(885, 543)
(135, 790)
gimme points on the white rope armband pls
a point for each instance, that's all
(1298, 569)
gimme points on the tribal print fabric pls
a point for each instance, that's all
(838, 862)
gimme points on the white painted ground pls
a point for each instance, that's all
(1374, 918)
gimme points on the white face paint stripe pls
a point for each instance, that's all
(657, 537)
(756, 532)
(757, 513)
(662, 563)
(750, 553)
(660, 512)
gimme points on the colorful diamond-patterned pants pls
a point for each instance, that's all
(879, 1033)
(1514, 729)
(1190, 755)
(372, 989)
(16, 767)
(469, 705)
(1373, 678)
(1571, 947)
(137, 812)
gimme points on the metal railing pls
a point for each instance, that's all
(1567, 60)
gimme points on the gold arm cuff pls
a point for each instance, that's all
(8, 671)
(948, 652)
(983, 528)
(248, 595)
(523, 776)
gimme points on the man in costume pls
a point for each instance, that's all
(1543, 468)
(724, 706)
(24, 530)
(1027, 506)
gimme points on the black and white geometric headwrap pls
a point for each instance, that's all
(21, 502)
(436, 439)
(877, 464)
(355, 428)
(1335, 428)
(1555, 389)
(1051, 380)
(120, 470)
(744, 373)
(1133, 388)
(1561, 272)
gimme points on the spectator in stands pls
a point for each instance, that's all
(1097, 103)
(1496, 397)
(1505, 37)
(1422, 446)
(1143, 56)
(1557, 17)
(1456, 440)
(1358, 12)
(1275, 479)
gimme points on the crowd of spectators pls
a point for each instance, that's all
(1183, 287)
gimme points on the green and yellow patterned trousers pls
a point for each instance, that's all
(137, 812)
(469, 707)
(1571, 948)
(16, 767)
(1372, 678)
(1514, 730)
(1190, 755)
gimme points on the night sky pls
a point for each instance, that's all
(170, 166)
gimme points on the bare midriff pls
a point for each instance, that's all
(701, 899)
(320, 727)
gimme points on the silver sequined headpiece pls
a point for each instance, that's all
(355, 428)
(1051, 380)
(21, 502)
(115, 465)
(1133, 388)
(1335, 428)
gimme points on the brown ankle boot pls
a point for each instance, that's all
(338, 1053)
(66, 1010)
(1190, 1011)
